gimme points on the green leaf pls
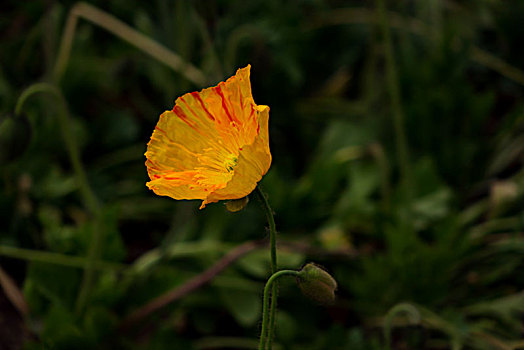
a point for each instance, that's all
(50, 283)
(509, 309)
(245, 307)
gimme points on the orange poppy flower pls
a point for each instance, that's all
(212, 146)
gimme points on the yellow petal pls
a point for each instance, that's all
(231, 106)
(174, 145)
(253, 163)
(213, 145)
(195, 184)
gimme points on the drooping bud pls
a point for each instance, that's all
(317, 284)
(237, 204)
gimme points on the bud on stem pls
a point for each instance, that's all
(314, 282)
(237, 204)
(317, 284)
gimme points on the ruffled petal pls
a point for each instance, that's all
(232, 108)
(174, 146)
(195, 184)
(213, 145)
(253, 163)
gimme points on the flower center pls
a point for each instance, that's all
(230, 162)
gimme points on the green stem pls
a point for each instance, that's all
(66, 44)
(63, 116)
(265, 311)
(58, 259)
(93, 255)
(123, 31)
(412, 312)
(87, 193)
(272, 228)
(274, 266)
(396, 104)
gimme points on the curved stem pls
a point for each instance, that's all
(59, 259)
(69, 139)
(396, 102)
(412, 312)
(274, 266)
(86, 191)
(123, 31)
(265, 311)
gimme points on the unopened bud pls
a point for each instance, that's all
(237, 204)
(317, 284)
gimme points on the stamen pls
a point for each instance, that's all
(230, 162)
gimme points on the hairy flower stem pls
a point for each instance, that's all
(266, 329)
(272, 228)
(273, 253)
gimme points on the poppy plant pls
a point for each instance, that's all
(212, 146)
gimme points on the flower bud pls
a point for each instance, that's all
(237, 204)
(317, 284)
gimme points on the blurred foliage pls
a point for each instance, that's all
(451, 246)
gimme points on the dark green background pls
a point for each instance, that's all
(442, 231)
